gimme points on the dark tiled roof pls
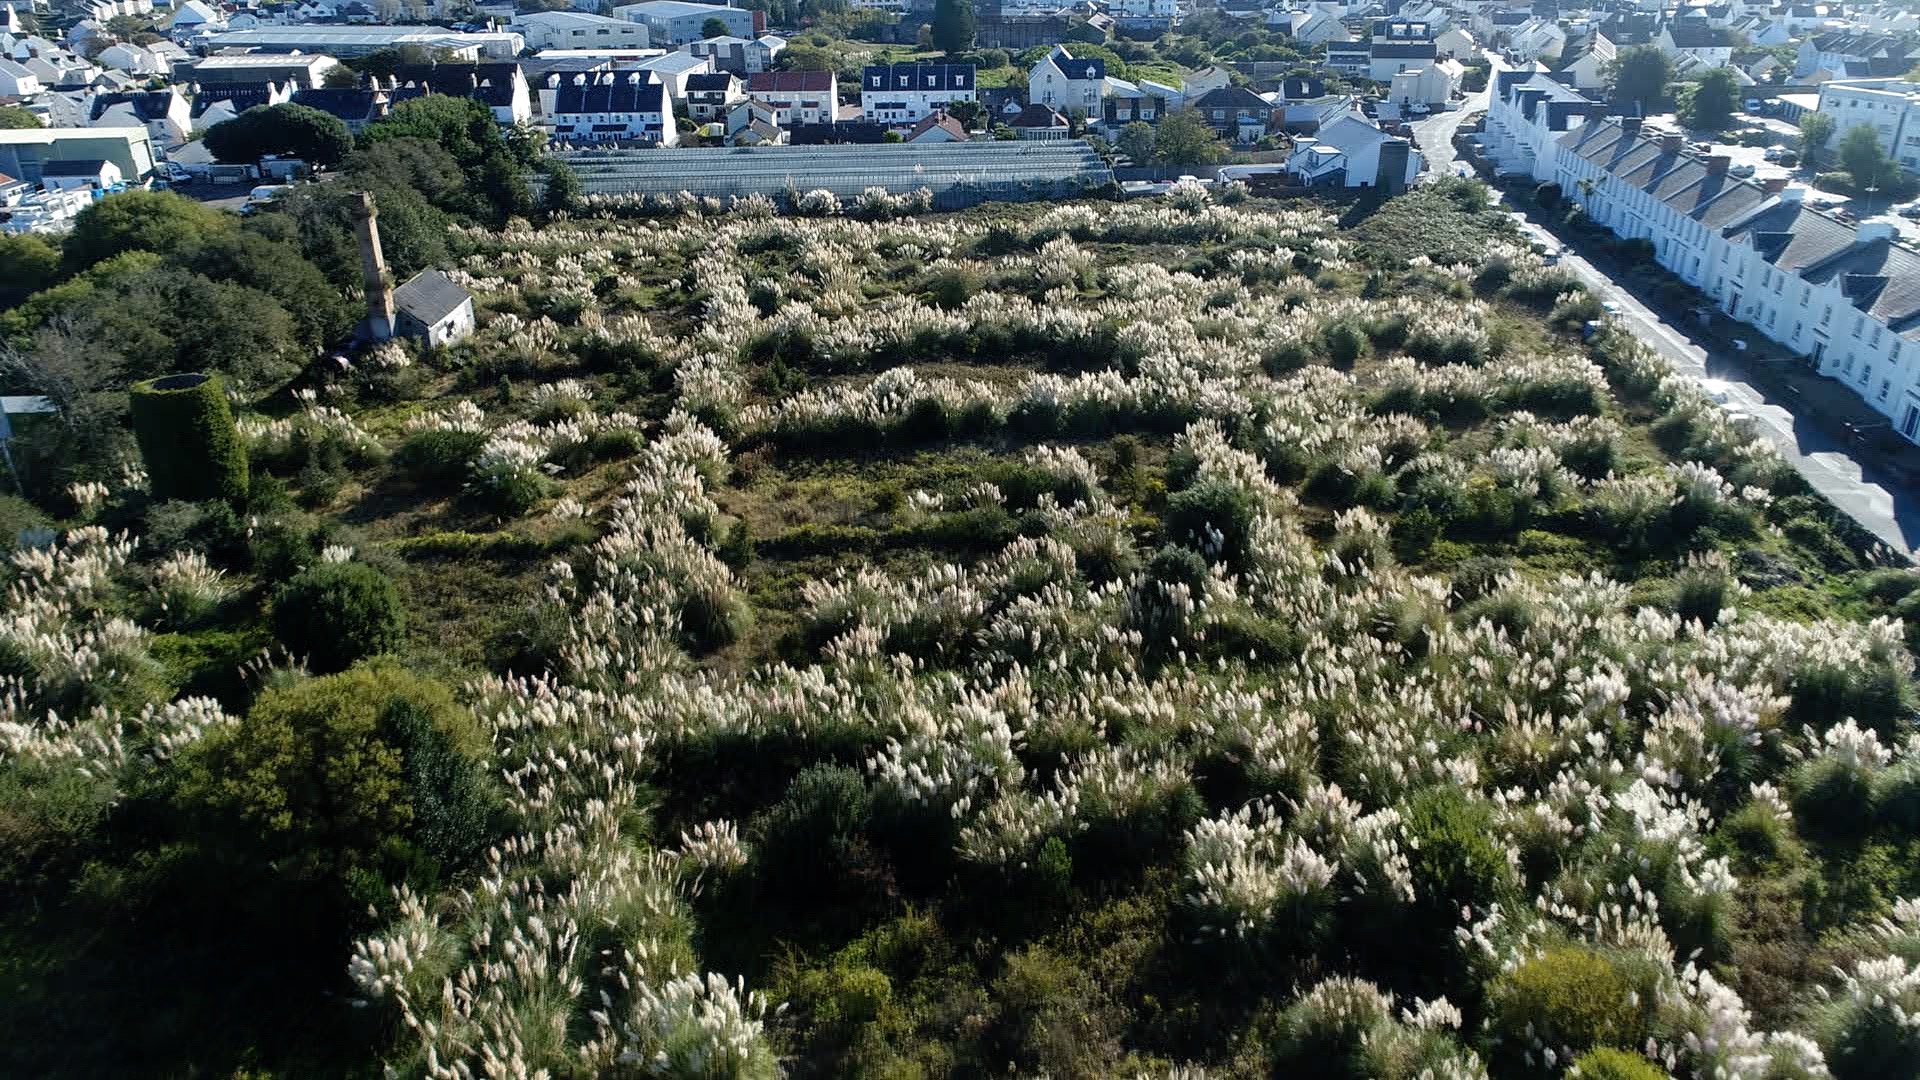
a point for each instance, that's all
(1037, 116)
(717, 82)
(1404, 50)
(1792, 236)
(1696, 34)
(918, 76)
(786, 82)
(1879, 277)
(1075, 68)
(1298, 88)
(628, 93)
(1230, 97)
(490, 84)
(430, 296)
(148, 106)
(345, 103)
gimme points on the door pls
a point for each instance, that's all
(1910, 422)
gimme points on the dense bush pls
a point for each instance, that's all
(374, 767)
(336, 613)
(1568, 999)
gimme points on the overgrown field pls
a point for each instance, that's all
(1148, 639)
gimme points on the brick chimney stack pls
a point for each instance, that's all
(373, 268)
(1717, 164)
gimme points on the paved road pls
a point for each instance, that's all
(1435, 134)
(1885, 508)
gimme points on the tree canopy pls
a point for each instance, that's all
(1816, 131)
(14, 116)
(1715, 97)
(293, 130)
(157, 221)
(1638, 77)
(953, 26)
(1185, 139)
(1864, 161)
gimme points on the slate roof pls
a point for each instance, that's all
(429, 297)
(878, 77)
(489, 84)
(1404, 50)
(715, 83)
(1230, 97)
(1037, 115)
(1880, 278)
(1076, 68)
(787, 82)
(148, 105)
(1299, 88)
(1696, 34)
(624, 93)
(345, 103)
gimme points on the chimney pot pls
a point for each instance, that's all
(1773, 185)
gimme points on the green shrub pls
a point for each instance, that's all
(1610, 1064)
(813, 827)
(1455, 858)
(1212, 517)
(1568, 998)
(439, 455)
(1700, 593)
(371, 768)
(336, 613)
(188, 440)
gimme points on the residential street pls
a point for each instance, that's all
(1883, 507)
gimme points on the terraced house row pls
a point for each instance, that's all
(1846, 296)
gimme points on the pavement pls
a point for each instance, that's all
(1883, 506)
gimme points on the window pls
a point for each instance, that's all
(1878, 333)
(1866, 373)
(1885, 385)
(1910, 422)
(1827, 315)
(1806, 295)
(1859, 325)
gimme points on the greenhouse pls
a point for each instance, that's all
(958, 174)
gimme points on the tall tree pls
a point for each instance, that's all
(1136, 141)
(1638, 77)
(1185, 139)
(714, 27)
(1714, 99)
(294, 130)
(953, 26)
(1816, 131)
(13, 116)
(1860, 155)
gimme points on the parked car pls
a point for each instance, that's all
(173, 172)
(1611, 307)
(1775, 153)
(1755, 105)
(1744, 169)
(1911, 211)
